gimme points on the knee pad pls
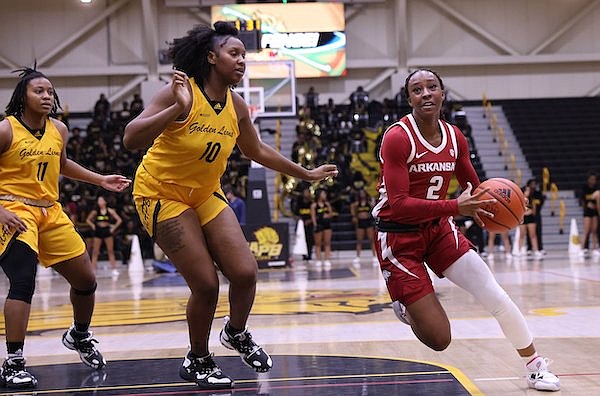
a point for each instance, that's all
(87, 292)
(20, 266)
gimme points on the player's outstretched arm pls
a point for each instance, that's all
(115, 183)
(73, 170)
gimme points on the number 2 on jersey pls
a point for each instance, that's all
(436, 183)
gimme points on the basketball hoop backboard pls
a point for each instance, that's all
(270, 86)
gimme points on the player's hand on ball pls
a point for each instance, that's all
(473, 205)
(509, 207)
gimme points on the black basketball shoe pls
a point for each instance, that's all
(13, 374)
(84, 344)
(204, 372)
(251, 353)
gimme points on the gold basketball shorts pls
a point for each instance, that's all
(156, 201)
(50, 233)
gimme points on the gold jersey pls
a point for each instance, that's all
(31, 166)
(193, 152)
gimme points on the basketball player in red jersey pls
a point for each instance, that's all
(419, 155)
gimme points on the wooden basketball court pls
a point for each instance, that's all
(330, 331)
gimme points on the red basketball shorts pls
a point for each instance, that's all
(403, 256)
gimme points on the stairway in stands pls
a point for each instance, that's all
(493, 160)
(288, 137)
(496, 166)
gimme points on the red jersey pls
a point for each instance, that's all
(415, 175)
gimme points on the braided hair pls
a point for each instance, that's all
(190, 53)
(16, 105)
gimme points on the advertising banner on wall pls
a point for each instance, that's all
(269, 243)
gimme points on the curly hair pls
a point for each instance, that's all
(190, 53)
(16, 105)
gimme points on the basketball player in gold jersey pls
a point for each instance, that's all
(33, 225)
(192, 125)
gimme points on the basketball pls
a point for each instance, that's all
(509, 208)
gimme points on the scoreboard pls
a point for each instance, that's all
(250, 33)
(309, 34)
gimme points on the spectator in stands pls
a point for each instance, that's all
(102, 109)
(74, 144)
(363, 223)
(125, 114)
(359, 100)
(596, 197)
(33, 226)
(373, 115)
(415, 227)
(459, 117)
(448, 106)
(538, 198)
(359, 144)
(401, 102)
(358, 183)
(104, 220)
(237, 203)
(337, 196)
(589, 242)
(178, 194)
(321, 214)
(236, 174)
(137, 105)
(301, 208)
(94, 129)
(359, 107)
(331, 115)
(528, 227)
(300, 149)
(311, 100)
(80, 224)
(389, 115)
(346, 175)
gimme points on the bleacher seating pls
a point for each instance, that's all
(562, 134)
(343, 236)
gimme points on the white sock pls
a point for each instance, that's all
(533, 362)
(18, 353)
